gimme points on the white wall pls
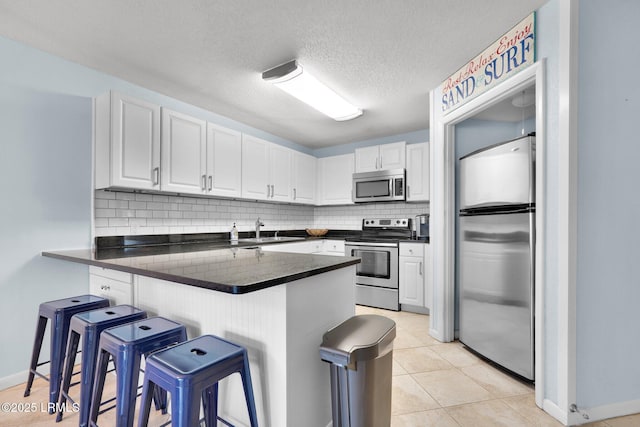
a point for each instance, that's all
(608, 288)
(45, 164)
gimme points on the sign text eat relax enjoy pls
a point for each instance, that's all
(511, 53)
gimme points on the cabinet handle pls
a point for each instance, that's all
(377, 162)
(421, 268)
(294, 194)
(268, 191)
(380, 162)
(408, 191)
(204, 182)
(156, 176)
(105, 287)
(272, 191)
(210, 182)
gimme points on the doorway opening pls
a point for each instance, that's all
(445, 130)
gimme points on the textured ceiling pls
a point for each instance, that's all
(384, 56)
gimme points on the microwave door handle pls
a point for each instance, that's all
(391, 193)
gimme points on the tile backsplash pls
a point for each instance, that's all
(125, 213)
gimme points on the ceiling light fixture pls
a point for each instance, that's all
(291, 78)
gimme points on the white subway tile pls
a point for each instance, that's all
(118, 222)
(105, 213)
(125, 213)
(144, 197)
(144, 214)
(100, 203)
(102, 194)
(137, 205)
(125, 196)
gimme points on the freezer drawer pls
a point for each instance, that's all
(496, 288)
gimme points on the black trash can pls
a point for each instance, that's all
(360, 351)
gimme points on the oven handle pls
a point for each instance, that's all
(379, 244)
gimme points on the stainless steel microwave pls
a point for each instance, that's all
(378, 186)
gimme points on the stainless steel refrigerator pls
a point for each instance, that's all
(496, 253)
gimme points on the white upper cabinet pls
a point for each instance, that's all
(255, 168)
(304, 178)
(380, 157)
(266, 170)
(418, 172)
(127, 138)
(184, 145)
(335, 176)
(280, 173)
(224, 161)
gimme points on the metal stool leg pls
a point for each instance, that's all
(35, 355)
(72, 350)
(248, 391)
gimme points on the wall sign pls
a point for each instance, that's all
(511, 53)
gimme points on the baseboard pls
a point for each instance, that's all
(15, 379)
(599, 413)
(414, 309)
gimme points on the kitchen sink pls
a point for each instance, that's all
(270, 239)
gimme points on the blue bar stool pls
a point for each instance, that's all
(126, 344)
(190, 371)
(60, 312)
(89, 325)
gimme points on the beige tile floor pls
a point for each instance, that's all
(434, 384)
(444, 385)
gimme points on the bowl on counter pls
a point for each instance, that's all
(317, 232)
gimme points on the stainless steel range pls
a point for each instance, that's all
(377, 274)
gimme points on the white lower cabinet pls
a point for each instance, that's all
(116, 286)
(415, 276)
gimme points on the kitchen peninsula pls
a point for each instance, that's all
(278, 305)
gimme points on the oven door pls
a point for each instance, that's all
(379, 266)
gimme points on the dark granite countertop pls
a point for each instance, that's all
(215, 265)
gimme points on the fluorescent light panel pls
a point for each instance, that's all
(291, 78)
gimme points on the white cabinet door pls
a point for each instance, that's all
(367, 159)
(412, 274)
(379, 157)
(184, 145)
(224, 161)
(304, 178)
(335, 179)
(255, 168)
(127, 142)
(418, 172)
(279, 173)
(266, 170)
(392, 156)
(411, 281)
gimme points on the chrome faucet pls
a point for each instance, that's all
(258, 225)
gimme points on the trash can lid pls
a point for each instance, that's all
(358, 338)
